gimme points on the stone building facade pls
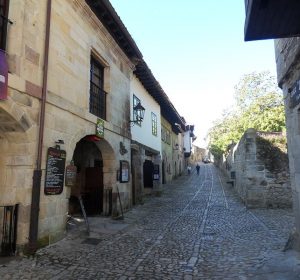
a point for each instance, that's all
(198, 154)
(167, 151)
(83, 60)
(65, 111)
(259, 170)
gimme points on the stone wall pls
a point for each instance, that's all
(259, 170)
(287, 52)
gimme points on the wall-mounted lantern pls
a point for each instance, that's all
(138, 113)
(58, 143)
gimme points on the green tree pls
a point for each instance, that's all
(258, 105)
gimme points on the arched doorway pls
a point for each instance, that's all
(89, 182)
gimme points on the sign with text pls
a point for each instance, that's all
(3, 75)
(71, 173)
(55, 171)
(124, 171)
(295, 95)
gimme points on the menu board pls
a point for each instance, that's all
(71, 172)
(124, 171)
(55, 171)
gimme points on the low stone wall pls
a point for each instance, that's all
(259, 170)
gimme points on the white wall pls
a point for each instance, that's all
(143, 133)
(187, 142)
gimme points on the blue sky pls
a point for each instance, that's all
(196, 50)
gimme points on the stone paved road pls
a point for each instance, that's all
(197, 229)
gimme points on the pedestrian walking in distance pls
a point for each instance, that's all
(189, 168)
(198, 168)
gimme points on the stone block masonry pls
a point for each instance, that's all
(260, 164)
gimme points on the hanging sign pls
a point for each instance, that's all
(55, 171)
(71, 172)
(100, 128)
(3, 75)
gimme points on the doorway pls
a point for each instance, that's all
(163, 172)
(89, 181)
(148, 174)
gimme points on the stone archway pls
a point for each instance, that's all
(96, 176)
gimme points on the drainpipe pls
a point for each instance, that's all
(37, 173)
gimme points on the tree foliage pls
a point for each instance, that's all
(258, 105)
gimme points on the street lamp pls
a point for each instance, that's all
(138, 113)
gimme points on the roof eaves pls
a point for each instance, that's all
(113, 23)
(146, 77)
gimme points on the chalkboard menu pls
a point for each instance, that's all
(55, 171)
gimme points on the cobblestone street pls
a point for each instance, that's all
(197, 229)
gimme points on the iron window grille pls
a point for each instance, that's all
(97, 94)
(4, 4)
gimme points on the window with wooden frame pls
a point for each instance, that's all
(154, 124)
(97, 94)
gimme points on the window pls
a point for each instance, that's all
(97, 94)
(168, 137)
(4, 4)
(154, 123)
(163, 134)
(136, 115)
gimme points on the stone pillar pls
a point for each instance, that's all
(157, 184)
(287, 53)
(137, 174)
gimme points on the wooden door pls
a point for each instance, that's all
(93, 191)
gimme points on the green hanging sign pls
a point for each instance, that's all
(100, 128)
